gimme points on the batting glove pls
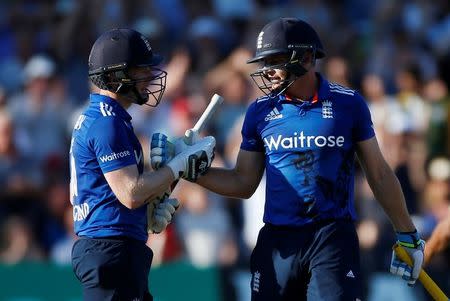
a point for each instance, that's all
(160, 213)
(414, 246)
(194, 160)
(162, 150)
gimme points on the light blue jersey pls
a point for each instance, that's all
(103, 140)
(310, 152)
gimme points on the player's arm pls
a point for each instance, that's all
(439, 239)
(239, 182)
(387, 190)
(384, 184)
(133, 190)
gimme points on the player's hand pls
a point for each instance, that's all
(414, 246)
(162, 150)
(160, 213)
(194, 160)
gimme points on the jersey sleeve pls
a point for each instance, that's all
(363, 126)
(109, 138)
(251, 140)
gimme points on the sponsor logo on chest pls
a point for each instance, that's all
(300, 140)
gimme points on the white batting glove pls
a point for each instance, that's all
(160, 213)
(414, 246)
(194, 160)
(162, 149)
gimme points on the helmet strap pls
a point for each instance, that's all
(294, 70)
(129, 90)
(295, 64)
(286, 84)
(138, 98)
(132, 93)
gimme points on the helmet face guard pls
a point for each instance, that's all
(293, 68)
(120, 82)
(155, 87)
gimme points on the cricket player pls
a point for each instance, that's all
(305, 133)
(115, 203)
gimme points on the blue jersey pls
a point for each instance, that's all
(310, 152)
(103, 140)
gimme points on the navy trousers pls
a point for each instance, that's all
(114, 268)
(318, 262)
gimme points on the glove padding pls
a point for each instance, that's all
(160, 213)
(162, 150)
(194, 160)
(414, 246)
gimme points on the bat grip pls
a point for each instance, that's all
(428, 283)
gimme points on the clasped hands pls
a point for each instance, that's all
(189, 158)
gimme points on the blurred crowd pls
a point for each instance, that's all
(396, 53)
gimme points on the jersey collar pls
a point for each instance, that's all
(321, 94)
(117, 108)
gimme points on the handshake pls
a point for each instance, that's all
(188, 157)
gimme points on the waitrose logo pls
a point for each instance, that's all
(300, 140)
(114, 156)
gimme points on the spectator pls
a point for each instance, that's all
(34, 116)
(17, 170)
(204, 227)
(19, 242)
(60, 252)
(438, 135)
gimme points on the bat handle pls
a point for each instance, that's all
(428, 283)
(191, 136)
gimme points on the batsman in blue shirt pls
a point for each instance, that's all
(305, 134)
(115, 202)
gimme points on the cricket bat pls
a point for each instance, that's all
(189, 137)
(190, 134)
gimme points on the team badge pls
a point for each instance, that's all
(327, 109)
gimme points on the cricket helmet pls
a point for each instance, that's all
(285, 36)
(113, 55)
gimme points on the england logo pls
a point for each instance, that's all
(327, 109)
(259, 40)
